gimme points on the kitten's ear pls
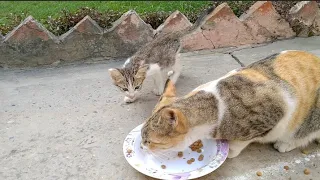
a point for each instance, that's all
(169, 89)
(142, 71)
(170, 116)
(115, 74)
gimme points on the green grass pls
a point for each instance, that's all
(40, 10)
(59, 16)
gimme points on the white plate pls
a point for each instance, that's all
(215, 153)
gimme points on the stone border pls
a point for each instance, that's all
(31, 44)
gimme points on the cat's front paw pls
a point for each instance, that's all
(128, 100)
(157, 92)
(283, 146)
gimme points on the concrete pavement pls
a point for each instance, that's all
(68, 122)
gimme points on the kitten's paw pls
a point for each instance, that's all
(157, 92)
(283, 146)
(128, 100)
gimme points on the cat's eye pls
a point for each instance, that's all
(137, 87)
(124, 89)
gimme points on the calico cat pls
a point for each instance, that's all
(276, 99)
(156, 59)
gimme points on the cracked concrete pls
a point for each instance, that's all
(236, 59)
(69, 122)
(208, 40)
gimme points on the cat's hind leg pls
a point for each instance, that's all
(158, 82)
(308, 131)
(282, 146)
(286, 146)
(235, 147)
(177, 68)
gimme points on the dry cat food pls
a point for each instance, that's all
(259, 173)
(199, 151)
(196, 145)
(286, 167)
(189, 162)
(200, 158)
(304, 151)
(180, 154)
(163, 166)
(129, 151)
(306, 171)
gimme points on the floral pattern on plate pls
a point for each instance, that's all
(137, 159)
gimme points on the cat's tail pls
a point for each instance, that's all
(204, 16)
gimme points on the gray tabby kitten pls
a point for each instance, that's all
(157, 58)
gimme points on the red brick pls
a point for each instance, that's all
(88, 26)
(265, 23)
(175, 22)
(130, 27)
(304, 18)
(222, 29)
(196, 41)
(29, 30)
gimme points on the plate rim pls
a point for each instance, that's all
(222, 159)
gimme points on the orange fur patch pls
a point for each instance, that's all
(302, 71)
(253, 75)
(170, 90)
(191, 94)
(182, 126)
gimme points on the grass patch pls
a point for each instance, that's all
(41, 10)
(59, 16)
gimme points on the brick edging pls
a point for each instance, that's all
(31, 44)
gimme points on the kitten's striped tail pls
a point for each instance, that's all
(200, 21)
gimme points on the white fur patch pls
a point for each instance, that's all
(111, 69)
(194, 134)
(280, 132)
(127, 62)
(212, 87)
(153, 68)
(170, 73)
(283, 52)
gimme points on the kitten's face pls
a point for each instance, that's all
(167, 126)
(129, 81)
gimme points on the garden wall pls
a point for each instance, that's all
(31, 44)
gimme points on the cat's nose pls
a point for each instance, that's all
(131, 96)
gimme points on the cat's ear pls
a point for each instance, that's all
(170, 116)
(175, 119)
(142, 71)
(169, 89)
(115, 75)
